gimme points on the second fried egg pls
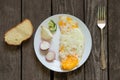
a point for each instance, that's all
(71, 43)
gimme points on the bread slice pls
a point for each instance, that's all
(19, 33)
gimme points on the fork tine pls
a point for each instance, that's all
(103, 16)
(104, 13)
(98, 16)
(101, 13)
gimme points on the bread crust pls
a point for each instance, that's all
(14, 44)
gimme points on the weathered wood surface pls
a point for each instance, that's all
(21, 63)
(10, 56)
(93, 69)
(114, 39)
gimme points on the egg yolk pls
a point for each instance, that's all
(69, 19)
(69, 63)
(61, 48)
(62, 24)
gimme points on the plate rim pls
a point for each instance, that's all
(85, 26)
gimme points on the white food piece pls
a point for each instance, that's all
(46, 34)
(50, 56)
(44, 45)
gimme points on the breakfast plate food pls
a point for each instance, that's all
(62, 43)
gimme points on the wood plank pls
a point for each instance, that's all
(74, 8)
(114, 39)
(10, 56)
(92, 66)
(36, 11)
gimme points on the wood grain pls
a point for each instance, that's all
(10, 56)
(73, 7)
(36, 11)
(114, 39)
(93, 64)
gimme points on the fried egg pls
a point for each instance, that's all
(71, 43)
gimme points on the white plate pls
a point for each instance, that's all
(55, 65)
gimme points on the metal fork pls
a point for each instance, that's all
(101, 22)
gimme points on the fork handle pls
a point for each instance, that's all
(103, 60)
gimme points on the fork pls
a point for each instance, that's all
(101, 22)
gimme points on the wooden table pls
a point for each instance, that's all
(21, 63)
